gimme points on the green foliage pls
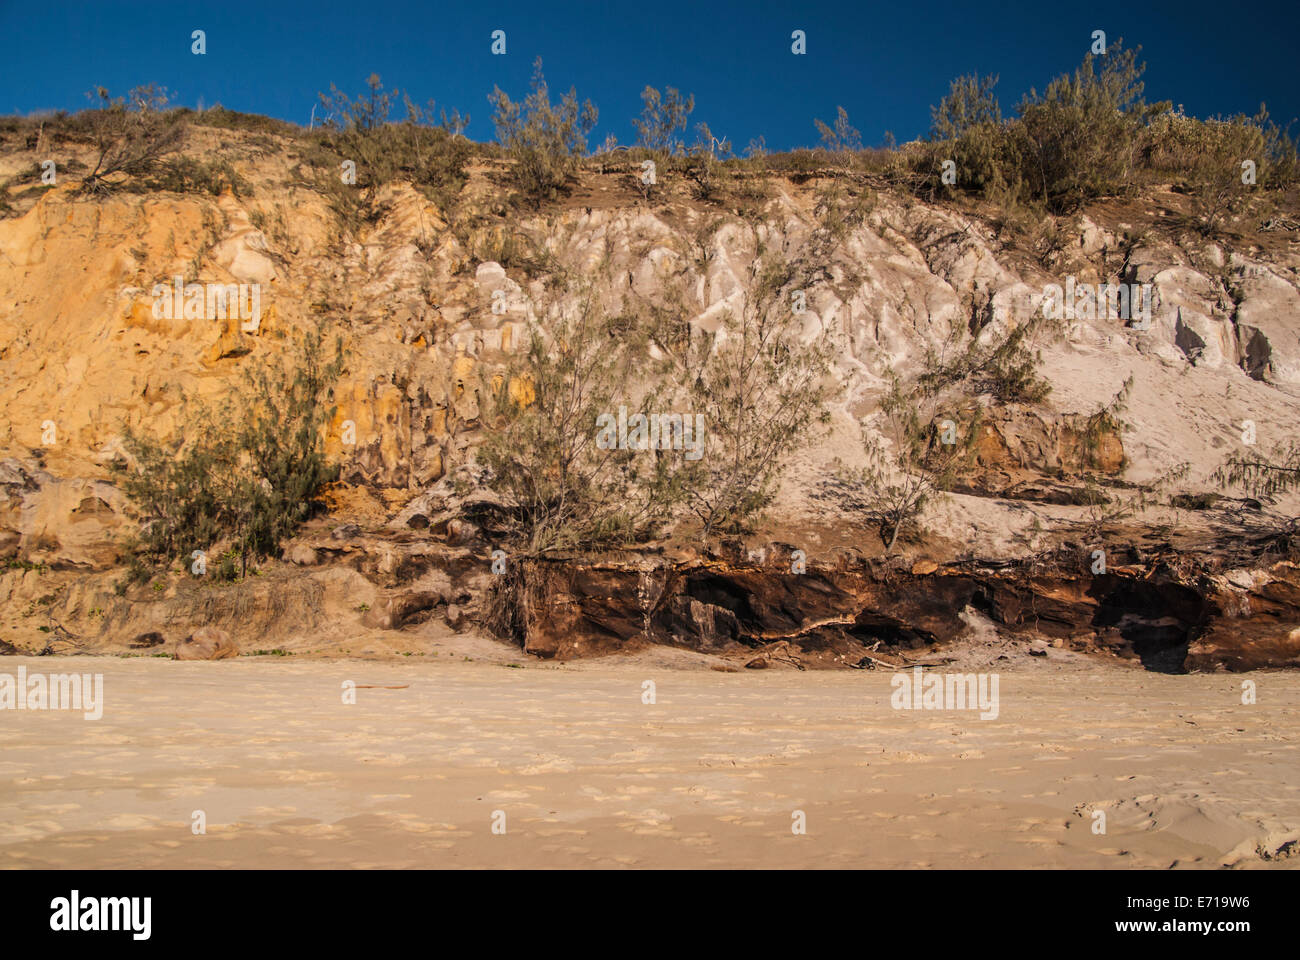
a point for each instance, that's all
(219, 117)
(1083, 135)
(1106, 421)
(563, 491)
(1006, 367)
(130, 135)
(544, 140)
(1107, 507)
(430, 155)
(842, 137)
(245, 471)
(1009, 370)
(918, 444)
(1091, 134)
(839, 210)
(662, 118)
(970, 103)
(185, 174)
(912, 455)
(707, 164)
(1205, 158)
(762, 390)
(366, 114)
(1263, 475)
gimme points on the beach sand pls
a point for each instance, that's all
(584, 773)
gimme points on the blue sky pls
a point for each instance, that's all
(884, 62)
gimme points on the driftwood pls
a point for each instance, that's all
(928, 661)
(883, 663)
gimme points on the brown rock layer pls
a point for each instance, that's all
(1170, 621)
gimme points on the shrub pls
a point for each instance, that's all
(562, 490)
(1083, 134)
(432, 156)
(1006, 367)
(839, 210)
(219, 117)
(130, 135)
(762, 390)
(1207, 156)
(1263, 475)
(706, 165)
(545, 140)
(1092, 134)
(662, 119)
(910, 461)
(185, 174)
(842, 138)
(1009, 369)
(1106, 421)
(969, 103)
(912, 455)
(250, 468)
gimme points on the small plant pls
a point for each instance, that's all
(915, 448)
(1263, 474)
(842, 138)
(1105, 422)
(1107, 508)
(970, 103)
(430, 155)
(185, 174)
(912, 457)
(1005, 367)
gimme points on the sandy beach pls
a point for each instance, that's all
(579, 771)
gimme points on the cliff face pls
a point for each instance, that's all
(429, 311)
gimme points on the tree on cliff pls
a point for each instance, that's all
(544, 139)
(431, 155)
(130, 135)
(662, 119)
(923, 435)
(242, 473)
(563, 487)
(761, 383)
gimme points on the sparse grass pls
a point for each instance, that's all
(186, 174)
(431, 156)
